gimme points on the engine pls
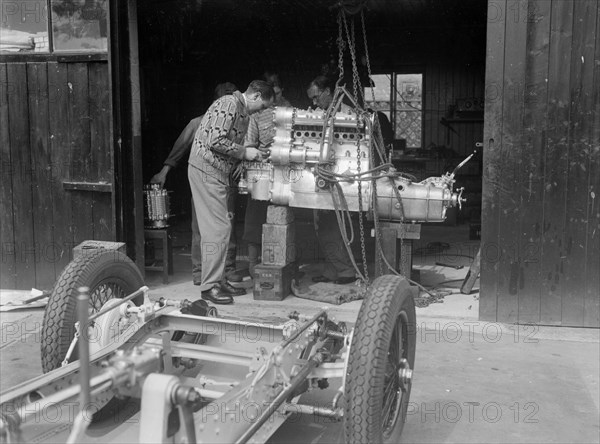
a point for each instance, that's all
(312, 155)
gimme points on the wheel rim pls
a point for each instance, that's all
(397, 375)
(102, 293)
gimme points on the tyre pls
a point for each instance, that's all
(380, 363)
(108, 274)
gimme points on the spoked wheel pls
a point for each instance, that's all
(379, 372)
(108, 274)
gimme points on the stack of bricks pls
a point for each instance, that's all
(40, 42)
(273, 277)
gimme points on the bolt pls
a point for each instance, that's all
(193, 396)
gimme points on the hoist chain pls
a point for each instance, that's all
(364, 31)
(398, 196)
(363, 249)
(341, 44)
(357, 87)
(350, 42)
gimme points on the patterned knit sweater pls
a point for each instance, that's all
(261, 130)
(218, 142)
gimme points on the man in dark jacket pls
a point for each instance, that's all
(181, 149)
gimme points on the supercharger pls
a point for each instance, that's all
(306, 140)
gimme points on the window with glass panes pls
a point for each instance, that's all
(47, 26)
(400, 97)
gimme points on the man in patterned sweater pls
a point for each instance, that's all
(217, 149)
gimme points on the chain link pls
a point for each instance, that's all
(398, 196)
(358, 95)
(341, 45)
(357, 86)
(363, 249)
(364, 31)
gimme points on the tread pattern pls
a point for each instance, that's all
(363, 398)
(90, 269)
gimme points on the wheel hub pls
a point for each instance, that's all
(404, 374)
(110, 326)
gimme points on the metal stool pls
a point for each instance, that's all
(167, 252)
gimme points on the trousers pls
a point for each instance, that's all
(197, 244)
(211, 197)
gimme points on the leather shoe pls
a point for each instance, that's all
(230, 289)
(217, 296)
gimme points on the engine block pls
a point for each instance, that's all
(305, 141)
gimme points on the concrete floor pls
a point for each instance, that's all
(473, 382)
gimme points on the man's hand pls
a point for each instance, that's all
(161, 176)
(253, 154)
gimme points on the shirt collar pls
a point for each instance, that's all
(242, 98)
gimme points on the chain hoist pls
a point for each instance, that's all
(374, 141)
(341, 44)
(363, 249)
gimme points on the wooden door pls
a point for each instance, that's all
(540, 256)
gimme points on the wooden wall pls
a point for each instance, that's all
(445, 82)
(55, 128)
(541, 218)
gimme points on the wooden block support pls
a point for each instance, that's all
(279, 215)
(472, 275)
(396, 243)
(278, 244)
(273, 282)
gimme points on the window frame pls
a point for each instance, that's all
(392, 73)
(59, 56)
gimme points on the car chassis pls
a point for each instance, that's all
(197, 379)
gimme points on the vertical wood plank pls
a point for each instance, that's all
(532, 155)
(467, 142)
(80, 145)
(42, 201)
(556, 159)
(58, 93)
(21, 160)
(580, 146)
(454, 85)
(447, 98)
(101, 153)
(493, 181)
(428, 106)
(7, 240)
(437, 86)
(438, 138)
(591, 312)
(510, 276)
